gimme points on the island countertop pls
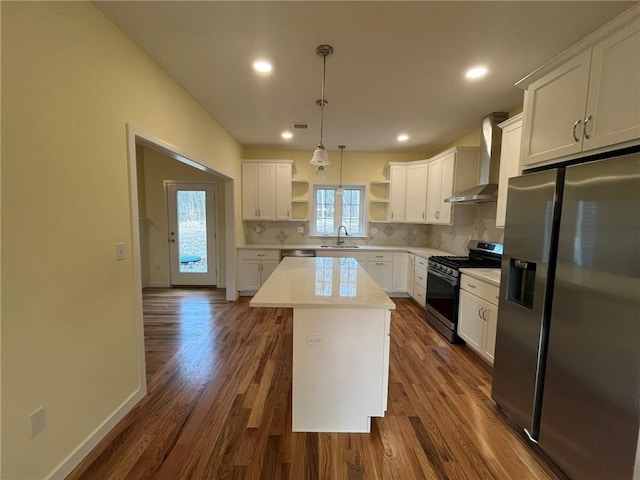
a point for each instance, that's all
(321, 282)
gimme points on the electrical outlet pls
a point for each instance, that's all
(300, 230)
(315, 340)
(37, 421)
(120, 251)
(374, 230)
(257, 228)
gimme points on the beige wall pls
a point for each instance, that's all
(159, 168)
(70, 82)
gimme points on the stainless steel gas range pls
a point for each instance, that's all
(443, 284)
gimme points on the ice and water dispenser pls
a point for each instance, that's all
(522, 278)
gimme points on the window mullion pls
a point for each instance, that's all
(338, 212)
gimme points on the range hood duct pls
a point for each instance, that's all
(490, 145)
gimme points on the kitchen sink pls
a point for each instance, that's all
(339, 246)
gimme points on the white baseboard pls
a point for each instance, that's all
(159, 285)
(82, 450)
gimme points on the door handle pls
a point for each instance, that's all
(584, 130)
(172, 240)
(575, 125)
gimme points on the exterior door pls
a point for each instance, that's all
(191, 224)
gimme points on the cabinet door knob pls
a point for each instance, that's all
(575, 126)
(584, 130)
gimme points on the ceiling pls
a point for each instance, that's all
(398, 67)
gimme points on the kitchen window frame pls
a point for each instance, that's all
(338, 210)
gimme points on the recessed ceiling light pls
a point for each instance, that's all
(403, 137)
(476, 72)
(262, 66)
(287, 135)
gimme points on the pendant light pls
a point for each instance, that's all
(320, 156)
(321, 174)
(340, 190)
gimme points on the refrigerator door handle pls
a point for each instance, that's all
(520, 264)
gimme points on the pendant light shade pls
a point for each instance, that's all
(321, 174)
(340, 190)
(320, 156)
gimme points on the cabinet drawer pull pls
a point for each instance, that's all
(260, 255)
(575, 125)
(471, 285)
(584, 130)
(420, 277)
(379, 263)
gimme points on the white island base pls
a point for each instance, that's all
(340, 368)
(341, 324)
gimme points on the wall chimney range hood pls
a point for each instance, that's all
(490, 145)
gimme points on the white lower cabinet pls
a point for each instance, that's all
(420, 280)
(400, 265)
(255, 266)
(477, 316)
(380, 267)
(411, 262)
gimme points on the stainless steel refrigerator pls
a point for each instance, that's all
(567, 359)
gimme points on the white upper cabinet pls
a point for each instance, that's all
(613, 103)
(266, 190)
(554, 110)
(434, 199)
(449, 173)
(509, 162)
(590, 101)
(397, 192)
(407, 192)
(283, 191)
(416, 193)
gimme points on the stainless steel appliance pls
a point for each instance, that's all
(297, 253)
(567, 360)
(443, 284)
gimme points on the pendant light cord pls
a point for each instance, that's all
(341, 147)
(324, 75)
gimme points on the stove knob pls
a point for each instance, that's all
(449, 271)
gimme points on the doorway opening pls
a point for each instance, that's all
(192, 233)
(144, 226)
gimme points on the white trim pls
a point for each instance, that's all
(136, 256)
(230, 240)
(159, 285)
(313, 208)
(94, 438)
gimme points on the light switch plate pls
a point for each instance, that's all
(120, 254)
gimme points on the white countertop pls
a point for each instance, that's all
(321, 282)
(422, 251)
(489, 275)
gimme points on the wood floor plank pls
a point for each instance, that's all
(219, 405)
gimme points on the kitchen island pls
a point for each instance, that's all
(341, 322)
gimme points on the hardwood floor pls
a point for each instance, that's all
(219, 405)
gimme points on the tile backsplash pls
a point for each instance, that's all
(470, 222)
(474, 221)
(286, 233)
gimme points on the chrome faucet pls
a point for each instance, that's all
(340, 242)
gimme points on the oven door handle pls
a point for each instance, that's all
(452, 281)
